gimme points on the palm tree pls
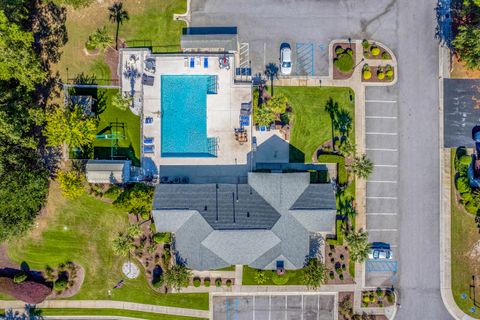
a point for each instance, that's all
(117, 15)
(362, 167)
(271, 71)
(122, 245)
(358, 245)
(332, 108)
(343, 122)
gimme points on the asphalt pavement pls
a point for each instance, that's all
(408, 28)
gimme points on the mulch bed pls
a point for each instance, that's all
(368, 55)
(73, 290)
(380, 301)
(342, 297)
(374, 77)
(336, 265)
(111, 59)
(337, 74)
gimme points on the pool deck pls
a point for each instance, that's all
(223, 112)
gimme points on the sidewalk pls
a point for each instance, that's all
(110, 304)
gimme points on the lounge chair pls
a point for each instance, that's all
(185, 62)
(192, 62)
(205, 62)
(197, 61)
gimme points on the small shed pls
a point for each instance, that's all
(108, 171)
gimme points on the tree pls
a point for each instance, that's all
(362, 167)
(134, 231)
(136, 200)
(467, 45)
(122, 245)
(271, 72)
(177, 277)
(343, 122)
(71, 127)
(332, 109)
(278, 104)
(314, 273)
(71, 183)
(117, 15)
(358, 245)
(260, 276)
(100, 39)
(120, 102)
(18, 61)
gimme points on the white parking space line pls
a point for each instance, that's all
(270, 307)
(302, 306)
(380, 149)
(254, 307)
(383, 133)
(286, 307)
(382, 181)
(386, 165)
(382, 230)
(380, 117)
(381, 213)
(381, 101)
(387, 198)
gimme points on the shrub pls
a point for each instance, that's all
(229, 283)
(390, 296)
(100, 39)
(20, 277)
(331, 275)
(153, 228)
(367, 74)
(471, 207)
(463, 185)
(340, 276)
(196, 282)
(113, 192)
(218, 282)
(260, 276)
(386, 55)
(466, 197)
(60, 284)
(27, 291)
(375, 51)
(379, 292)
(71, 183)
(342, 257)
(364, 304)
(366, 298)
(206, 282)
(162, 237)
(349, 51)
(344, 62)
(365, 44)
(145, 215)
(280, 279)
(121, 102)
(372, 298)
(380, 75)
(339, 50)
(389, 73)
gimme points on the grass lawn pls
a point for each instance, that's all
(112, 312)
(464, 235)
(311, 125)
(149, 20)
(81, 230)
(294, 277)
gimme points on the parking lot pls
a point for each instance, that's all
(381, 128)
(308, 26)
(274, 306)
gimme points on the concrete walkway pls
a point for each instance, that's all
(110, 304)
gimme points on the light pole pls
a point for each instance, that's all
(363, 59)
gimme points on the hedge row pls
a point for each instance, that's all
(340, 161)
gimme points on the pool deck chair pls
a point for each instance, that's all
(197, 61)
(205, 63)
(192, 62)
(185, 62)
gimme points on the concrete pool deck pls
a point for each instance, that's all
(223, 111)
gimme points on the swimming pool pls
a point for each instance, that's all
(184, 116)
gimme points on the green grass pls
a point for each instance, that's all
(149, 20)
(81, 230)
(294, 277)
(464, 235)
(112, 312)
(311, 123)
(229, 268)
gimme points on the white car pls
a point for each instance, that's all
(285, 59)
(380, 254)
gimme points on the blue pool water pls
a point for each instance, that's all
(184, 116)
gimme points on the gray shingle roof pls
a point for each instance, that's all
(224, 206)
(279, 203)
(108, 171)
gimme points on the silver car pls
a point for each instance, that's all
(380, 254)
(285, 59)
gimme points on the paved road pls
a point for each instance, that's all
(407, 27)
